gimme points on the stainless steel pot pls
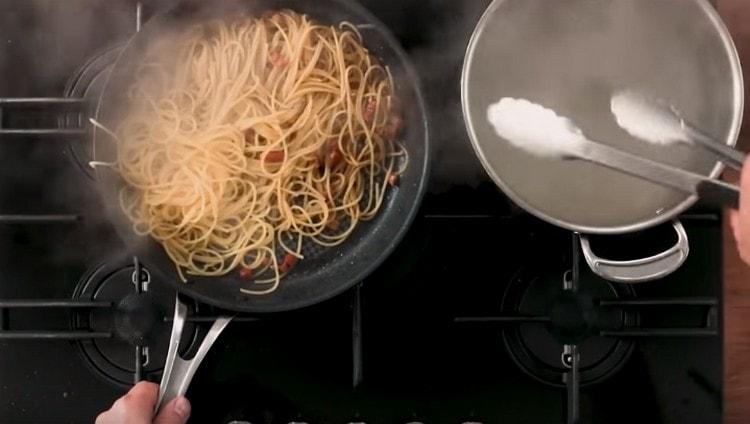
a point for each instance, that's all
(570, 56)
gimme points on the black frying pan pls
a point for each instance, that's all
(323, 273)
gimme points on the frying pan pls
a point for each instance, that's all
(323, 273)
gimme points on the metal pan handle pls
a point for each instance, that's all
(640, 270)
(178, 372)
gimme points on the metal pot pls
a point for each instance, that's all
(570, 56)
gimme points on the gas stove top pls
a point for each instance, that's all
(482, 314)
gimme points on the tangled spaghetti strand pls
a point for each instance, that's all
(261, 134)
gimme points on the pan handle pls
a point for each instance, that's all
(640, 270)
(178, 372)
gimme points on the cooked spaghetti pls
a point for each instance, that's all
(258, 135)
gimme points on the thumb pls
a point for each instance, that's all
(177, 411)
(734, 224)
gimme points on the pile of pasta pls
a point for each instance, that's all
(247, 138)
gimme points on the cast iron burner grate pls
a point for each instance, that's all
(66, 117)
(120, 321)
(139, 322)
(568, 331)
(567, 317)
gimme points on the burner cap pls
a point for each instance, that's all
(140, 316)
(137, 319)
(575, 318)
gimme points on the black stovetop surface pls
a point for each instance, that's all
(466, 251)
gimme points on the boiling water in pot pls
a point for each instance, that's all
(571, 56)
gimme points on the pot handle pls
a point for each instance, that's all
(640, 270)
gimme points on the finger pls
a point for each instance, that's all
(740, 220)
(103, 418)
(734, 223)
(177, 411)
(144, 394)
(731, 176)
(745, 190)
(135, 407)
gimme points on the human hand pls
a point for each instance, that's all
(740, 219)
(137, 407)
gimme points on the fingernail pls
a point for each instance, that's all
(182, 407)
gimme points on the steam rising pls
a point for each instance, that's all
(436, 34)
(42, 44)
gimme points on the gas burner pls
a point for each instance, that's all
(139, 321)
(560, 317)
(87, 83)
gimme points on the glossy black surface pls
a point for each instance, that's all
(457, 260)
